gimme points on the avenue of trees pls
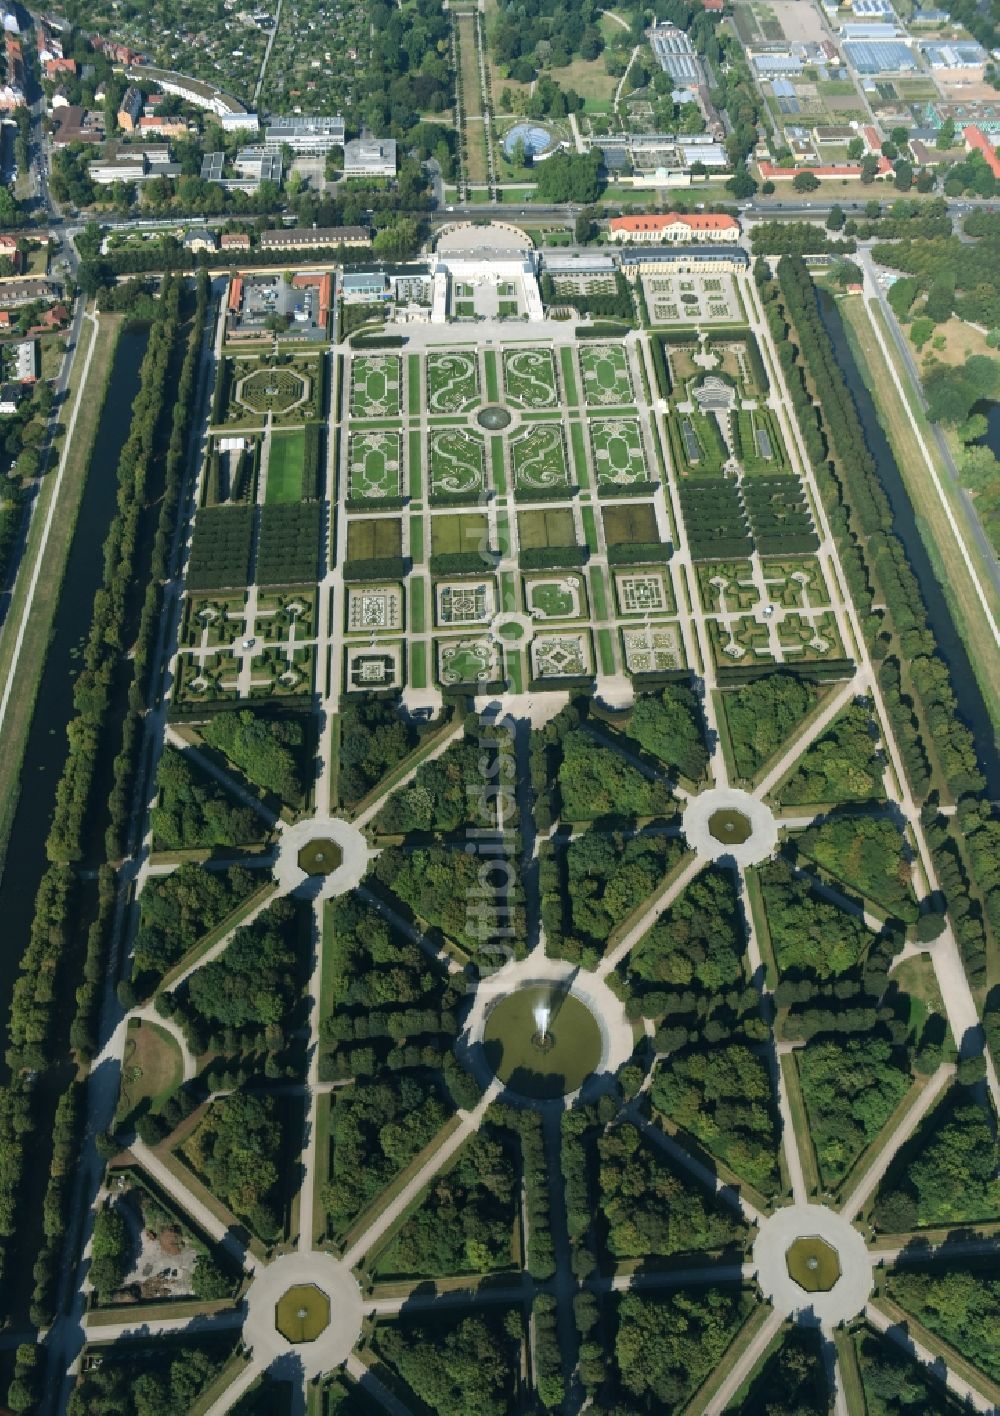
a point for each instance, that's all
(374, 738)
(722, 1097)
(465, 1224)
(192, 809)
(793, 1382)
(843, 764)
(60, 985)
(859, 508)
(894, 1385)
(762, 716)
(176, 910)
(269, 751)
(948, 1174)
(649, 1207)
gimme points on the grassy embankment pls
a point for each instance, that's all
(40, 612)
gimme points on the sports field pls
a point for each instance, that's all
(285, 464)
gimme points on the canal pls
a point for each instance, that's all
(971, 705)
(46, 747)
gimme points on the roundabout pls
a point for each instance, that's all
(307, 1304)
(583, 1039)
(327, 854)
(727, 823)
(810, 1260)
(541, 1042)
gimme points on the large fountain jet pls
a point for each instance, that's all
(541, 1013)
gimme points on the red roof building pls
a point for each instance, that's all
(675, 226)
(769, 172)
(976, 139)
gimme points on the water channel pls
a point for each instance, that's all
(46, 747)
(971, 705)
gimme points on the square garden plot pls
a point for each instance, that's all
(539, 459)
(453, 381)
(470, 660)
(458, 533)
(555, 527)
(373, 538)
(635, 522)
(643, 592)
(371, 608)
(465, 601)
(619, 458)
(458, 463)
(375, 385)
(555, 596)
(530, 378)
(606, 377)
(272, 390)
(565, 655)
(727, 586)
(377, 666)
(653, 649)
(375, 460)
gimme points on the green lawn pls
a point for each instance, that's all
(604, 644)
(496, 457)
(417, 604)
(418, 665)
(285, 465)
(589, 527)
(569, 375)
(414, 450)
(579, 454)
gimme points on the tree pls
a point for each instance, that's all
(570, 177)
(398, 240)
(869, 169)
(945, 139)
(835, 218)
(805, 182)
(741, 184)
(855, 149)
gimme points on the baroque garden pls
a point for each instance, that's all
(517, 677)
